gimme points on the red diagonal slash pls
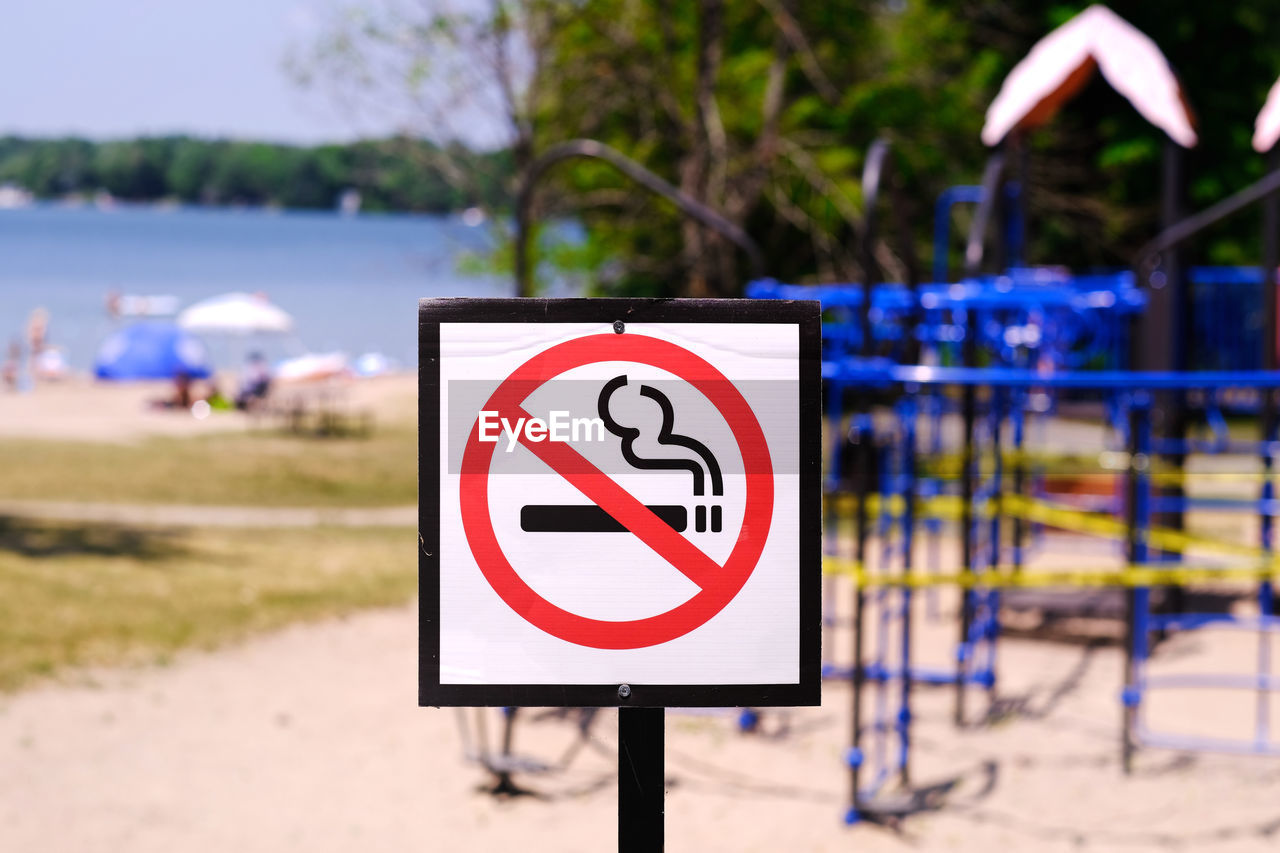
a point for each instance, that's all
(601, 490)
(718, 584)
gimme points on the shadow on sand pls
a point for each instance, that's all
(33, 538)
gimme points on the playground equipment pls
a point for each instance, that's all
(935, 392)
(996, 499)
(883, 475)
(495, 750)
(1001, 352)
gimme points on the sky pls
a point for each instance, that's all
(109, 69)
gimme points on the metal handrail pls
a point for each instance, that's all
(596, 150)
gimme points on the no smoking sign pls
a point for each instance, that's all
(619, 492)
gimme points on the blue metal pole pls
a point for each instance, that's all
(1266, 594)
(968, 415)
(862, 454)
(948, 199)
(907, 408)
(1138, 598)
(998, 399)
(883, 603)
(1019, 413)
(936, 405)
(1270, 358)
(831, 488)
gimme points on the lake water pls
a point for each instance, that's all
(351, 283)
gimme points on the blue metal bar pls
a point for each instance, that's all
(935, 404)
(1013, 289)
(1266, 595)
(1137, 599)
(1213, 413)
(907, 415)
(1118, 380)
(1205, 744)
(997, 477)
(835, 424)
(1019, 412)
(922, 675)
(1226, 275)
(1264, 508)
(1262, 712)
(862, 454)
(877, 782)
(1174, 446)
(992, 621)
(1224, 621)
(882, 723)
(948, 199)
(968, 523)
(880, 719)
(1224, 681)
(1015, 224)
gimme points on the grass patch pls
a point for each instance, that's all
(249, 469)
(72, 596)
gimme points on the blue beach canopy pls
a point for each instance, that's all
(151, 351)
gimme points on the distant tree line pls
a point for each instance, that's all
(394, 174)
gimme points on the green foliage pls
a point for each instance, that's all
(391, 174)
(627, 73)
(920, 73)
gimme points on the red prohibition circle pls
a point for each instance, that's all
(717, 591)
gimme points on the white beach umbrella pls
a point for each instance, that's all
(1063, 61)
(235, 314)
(312, 366)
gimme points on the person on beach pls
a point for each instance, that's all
(12, 364)
(37, 332)
(182, 397)
(255, 382)
(181, 391)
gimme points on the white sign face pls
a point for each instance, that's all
(618, 503)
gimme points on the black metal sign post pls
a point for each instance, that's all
(463, 560)
(641, 779)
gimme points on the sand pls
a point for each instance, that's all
(310, 739)
(84, 410)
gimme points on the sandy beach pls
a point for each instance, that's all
(310, 738)
(79, 408)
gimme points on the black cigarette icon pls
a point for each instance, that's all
(589, 518)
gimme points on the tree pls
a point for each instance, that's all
(460, 75)
(764, 110)
(731, 102)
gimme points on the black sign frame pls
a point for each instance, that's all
(805, 315)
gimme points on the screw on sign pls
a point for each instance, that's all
(615, 507)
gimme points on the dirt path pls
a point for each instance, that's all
(179, 515)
